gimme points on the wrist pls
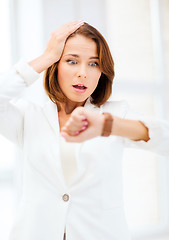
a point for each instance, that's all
(42, 62)
(50, 59)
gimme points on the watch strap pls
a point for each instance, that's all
(107, 125)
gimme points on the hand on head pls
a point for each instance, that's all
(54, 46)
(58, 38)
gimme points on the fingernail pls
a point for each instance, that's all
(84, 127)
(84, 119)
(85, 124)
(77, 132)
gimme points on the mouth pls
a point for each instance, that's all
(80, 88)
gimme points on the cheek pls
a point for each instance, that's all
(66, 73)
(63, 75)
(95, 79)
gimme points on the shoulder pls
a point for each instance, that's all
(30, 107)
(118, 108)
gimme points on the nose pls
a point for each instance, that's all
(82, 73)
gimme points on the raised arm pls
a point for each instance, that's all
(144, 133)
(24, 74)
(54, 47)
(132, 129)
(12, 85)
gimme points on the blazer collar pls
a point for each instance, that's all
(88, 105)
(51, 112)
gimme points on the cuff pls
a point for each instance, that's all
(156, 143)
(28, 74)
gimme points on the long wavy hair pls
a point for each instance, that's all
(106, 63)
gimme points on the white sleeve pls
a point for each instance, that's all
(158, 133)
(12, 85)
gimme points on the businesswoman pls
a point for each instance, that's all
(73, 145)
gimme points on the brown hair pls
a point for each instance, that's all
(104, 87)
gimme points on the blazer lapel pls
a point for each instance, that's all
(51, 112)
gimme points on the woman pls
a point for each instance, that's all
(73, 190)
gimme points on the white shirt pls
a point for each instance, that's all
(68, 158)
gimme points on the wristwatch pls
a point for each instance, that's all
(107, 125)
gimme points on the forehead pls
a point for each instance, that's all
(80, 45)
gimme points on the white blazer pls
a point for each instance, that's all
(91, 206)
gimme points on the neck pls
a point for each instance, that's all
(69, 106)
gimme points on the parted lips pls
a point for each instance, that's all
(80, 86)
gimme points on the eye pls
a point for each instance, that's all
(93, 64)
(72, 62)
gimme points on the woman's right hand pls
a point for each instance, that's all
(58, 37)
(55, 46)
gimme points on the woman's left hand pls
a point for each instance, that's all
(82, 125)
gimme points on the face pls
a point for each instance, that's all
(78, 68)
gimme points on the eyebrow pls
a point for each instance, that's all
(77, 56)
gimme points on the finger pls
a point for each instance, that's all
(65, 30)
(75, 23)
(74, 127)
(72, 27)
(76, 121)
(71, 126)
(70, 131)
(69, 138)
(82, 136)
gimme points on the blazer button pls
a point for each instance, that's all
(65, 197)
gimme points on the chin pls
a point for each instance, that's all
(78, 100)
